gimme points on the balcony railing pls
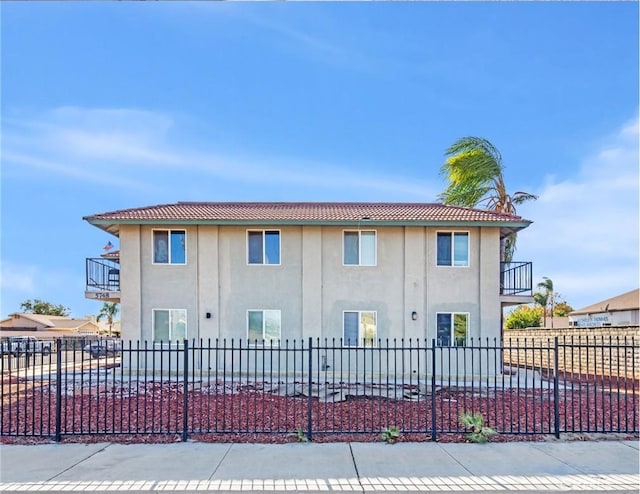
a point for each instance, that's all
(515, 278)
(103, 275)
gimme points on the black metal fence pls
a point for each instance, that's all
(321, 388)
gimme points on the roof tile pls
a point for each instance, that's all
(303, 211)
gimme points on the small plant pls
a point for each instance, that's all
(390, 435)
(480, 433)
(300, 436)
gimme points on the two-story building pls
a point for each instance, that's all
(285, 271)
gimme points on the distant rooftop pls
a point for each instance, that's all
(304, 213)
(626, 301)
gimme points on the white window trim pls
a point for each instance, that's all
(360, 340)
(264, 343)
(451, 329)
(375, 253)
(452, 265)
(169, 230)
(264, 247)
(170, 341)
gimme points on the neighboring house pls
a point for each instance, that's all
(103, 327)
(622, 310)
(286, 271)
(554, 322)
(22, 322)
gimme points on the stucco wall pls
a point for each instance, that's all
(311, 286)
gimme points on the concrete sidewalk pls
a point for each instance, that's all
(554, 466)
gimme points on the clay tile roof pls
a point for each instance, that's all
(273, 213)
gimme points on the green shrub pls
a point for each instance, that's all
(524, 317)
(300, 436)
(480, 433)
(390, 435)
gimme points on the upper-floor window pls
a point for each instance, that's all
(452, 328)
(263, 326)
(359, 248)
(169, 246)
(169, 324)
(263, 247)
(453, 249)
(359, 328)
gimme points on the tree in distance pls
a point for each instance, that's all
(37, 306)
(108, 312)
(523, 317)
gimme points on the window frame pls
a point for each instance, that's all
(153, 247)
(170, 311)
(264, 247)
(453, 233)
(361, 343)
(452, 338)
(375, 247)
(264, 342)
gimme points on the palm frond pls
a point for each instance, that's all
(521, 197)
(472, 168)
(469, 143)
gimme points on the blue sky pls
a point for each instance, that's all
(117, 105)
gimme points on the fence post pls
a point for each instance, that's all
(433, 390)
(58, 432)
(310, 394)
(185, 397)
(556, 391)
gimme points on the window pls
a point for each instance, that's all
(169, 247)
(169, 324)
(453, 249)
(263, 326)
(452, 328)
(263, 247)
(359, 328)
(359, 248)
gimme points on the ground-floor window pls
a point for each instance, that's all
(169, 324)
(452, 328)
(264, 327)
(359, 328)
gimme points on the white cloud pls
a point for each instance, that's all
(18, 278)
(119, 147)
(24, 281)
(585, 231)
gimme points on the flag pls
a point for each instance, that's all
(108, 247)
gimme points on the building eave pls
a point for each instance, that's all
(506, 227)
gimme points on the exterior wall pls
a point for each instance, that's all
(597, 319)
(311, 286)
(611, 351)
(244, 287)
(131, 294)
(377, 288)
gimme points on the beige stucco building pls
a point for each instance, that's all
(45, 325)
(356, 272)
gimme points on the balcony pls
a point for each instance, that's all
(102, 279)
(516, 283)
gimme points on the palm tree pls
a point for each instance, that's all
(548, 296)
(542, 299)
(475, 172)
(108, 312)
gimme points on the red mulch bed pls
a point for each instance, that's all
(152, 413)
